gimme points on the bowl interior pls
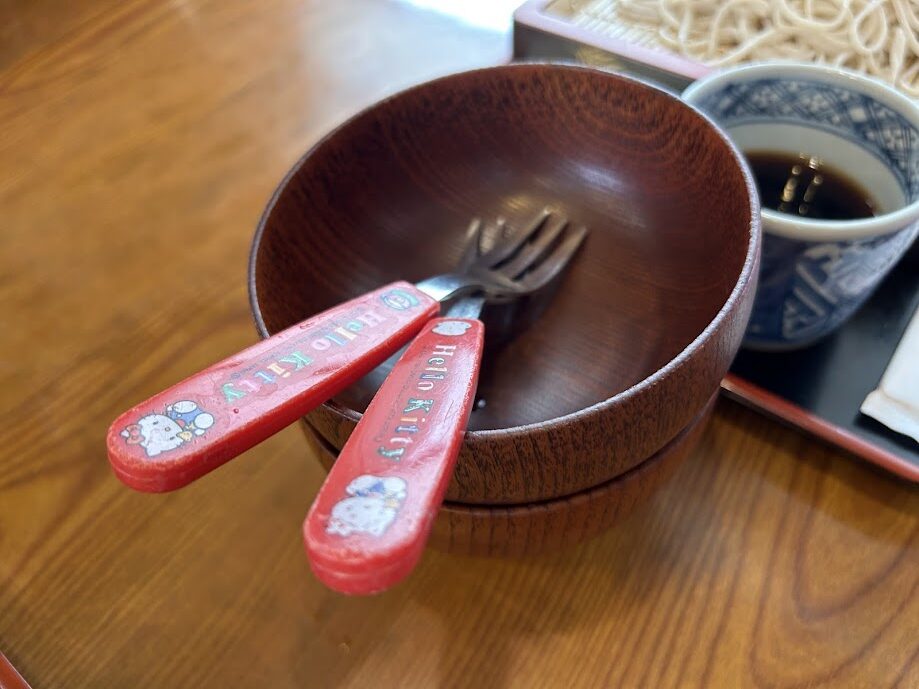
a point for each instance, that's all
(389, 194)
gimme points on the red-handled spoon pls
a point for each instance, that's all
(371, 519)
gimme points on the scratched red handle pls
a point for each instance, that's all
(195, 426)
(369, 524)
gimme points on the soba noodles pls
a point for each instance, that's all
(877, 37)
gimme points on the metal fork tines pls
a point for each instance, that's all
(503, 276)
(515, 264)
(526, 263)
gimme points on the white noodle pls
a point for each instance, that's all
(907, 24)
(861, 32)
(878, 37)
(897, 53)
(910, 78)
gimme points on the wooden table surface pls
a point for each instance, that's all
(140, 141)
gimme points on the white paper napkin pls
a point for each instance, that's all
(895, 403)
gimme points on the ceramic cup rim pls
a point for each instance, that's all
(789, 226)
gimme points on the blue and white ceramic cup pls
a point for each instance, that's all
(816, 273)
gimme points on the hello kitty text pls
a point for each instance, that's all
(288, 359)
(280, 365)
(416, 409)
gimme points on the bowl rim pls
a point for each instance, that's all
(746, 276)
(790, 226)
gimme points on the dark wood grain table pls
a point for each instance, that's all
(140, 142)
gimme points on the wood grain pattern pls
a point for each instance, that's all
(141, 142)
(643, 326)
(550, 525)
(10, 677)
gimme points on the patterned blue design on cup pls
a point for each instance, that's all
(808, 288)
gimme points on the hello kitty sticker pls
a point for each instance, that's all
(158, 433)
(371, 507)
(451, 328)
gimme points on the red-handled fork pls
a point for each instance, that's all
(202, 422)
(373, 515)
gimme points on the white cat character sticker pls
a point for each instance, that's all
(158, 433)
(372, 506)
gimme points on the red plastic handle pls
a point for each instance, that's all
(368, 525)
(197, 425)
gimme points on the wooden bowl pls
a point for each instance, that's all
(643, 326)
(513, 530)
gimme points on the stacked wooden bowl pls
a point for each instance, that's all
(588, 410)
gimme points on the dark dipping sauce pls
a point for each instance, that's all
(807, 187)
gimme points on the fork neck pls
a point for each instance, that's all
(450, 286)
